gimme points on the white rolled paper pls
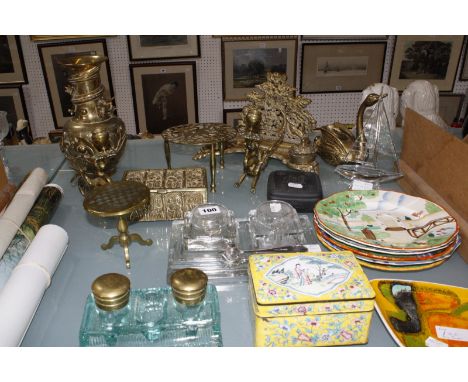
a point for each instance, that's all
(20, 206)
(21, 295)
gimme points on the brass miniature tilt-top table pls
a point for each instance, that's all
(200, 134)
(119, 199)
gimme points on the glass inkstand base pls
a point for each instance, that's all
(226, 262)
(153, 317)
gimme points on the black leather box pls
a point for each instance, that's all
(301, 190)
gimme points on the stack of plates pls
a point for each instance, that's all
(387, 230)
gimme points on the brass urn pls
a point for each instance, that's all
(94, 138)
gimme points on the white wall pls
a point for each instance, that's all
(326, 108)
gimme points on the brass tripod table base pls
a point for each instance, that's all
(125, 239)
(119, 199)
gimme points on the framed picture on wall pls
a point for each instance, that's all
(464, 65)
(344, 37)
(341, 67)
(147, 47)
(12, 101)
(246, 63)
(56, 76)
(431, 58)
(450, 106)
(232, 117)
(164, 95)
(12, 70)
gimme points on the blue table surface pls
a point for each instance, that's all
(57, 320)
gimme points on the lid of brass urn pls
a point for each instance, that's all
(111, 291)
(189, 285)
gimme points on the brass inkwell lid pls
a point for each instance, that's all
(111, 291)
(189, 285)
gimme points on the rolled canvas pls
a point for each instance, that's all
(21, 295)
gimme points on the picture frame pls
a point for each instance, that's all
(450, 106)
(12, 101)
(164, 95)
(146, 47)
(54, 37)
(245, 64)
(410, 60)
(56, 77)
(341, 67)
(464, 64)
(343, 37)
(232, 117)
(12, 69)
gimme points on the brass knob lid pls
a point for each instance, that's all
(189, 285)
(111, 291)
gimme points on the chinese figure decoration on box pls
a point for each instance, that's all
(310, 299)
(275, 125)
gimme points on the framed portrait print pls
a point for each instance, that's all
(12, 70)
(56, 76)
(431, 58)
(450, 106)
(164, 95)
(246, 64)
(232, 117)
(12, 101)
(341, 67)
(148, 47)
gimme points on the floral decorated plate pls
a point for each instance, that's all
(384, 251)
(418, 313)
(397, 262)
(407, 257)
(366, 262)
(386, 219)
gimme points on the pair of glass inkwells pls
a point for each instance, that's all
(184, 314)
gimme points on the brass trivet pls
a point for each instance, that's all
(212, 134)
(119, 199)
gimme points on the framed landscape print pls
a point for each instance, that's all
(148, 47)
(344, 37)
(341, 67)
(246, 63)
(164, 95)
(56, 76)
(12, 70)
(12, 101)
(431, 58)
(450, 107)
(232, 117)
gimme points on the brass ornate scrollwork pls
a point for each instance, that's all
(275, 125)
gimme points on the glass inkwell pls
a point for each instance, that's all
(209, 227)
(275, 223)
(186, 314)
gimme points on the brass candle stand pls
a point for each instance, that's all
(119, 199)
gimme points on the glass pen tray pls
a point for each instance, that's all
(216, 264)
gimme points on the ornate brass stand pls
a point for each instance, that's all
(119, 199)
(275, 125)
(212, 134)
